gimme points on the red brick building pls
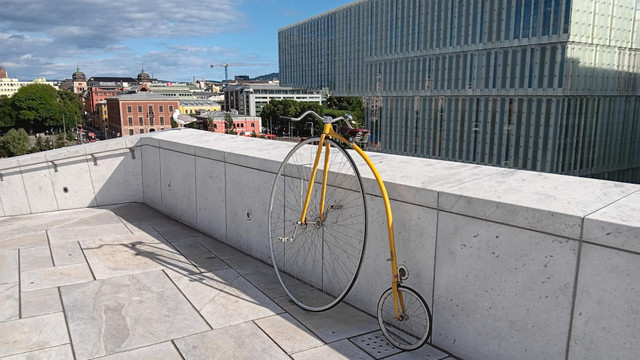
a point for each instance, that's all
(139, 113)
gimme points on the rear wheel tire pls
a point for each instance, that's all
(415, 329)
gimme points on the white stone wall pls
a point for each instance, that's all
(514, 264)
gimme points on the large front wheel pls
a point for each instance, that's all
(317, 261)
(413, 328)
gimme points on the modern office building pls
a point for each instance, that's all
(249, 99)
(545, 85)
(9, 86)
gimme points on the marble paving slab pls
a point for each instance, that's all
(341, 322)
(31, 334)
(122, 313)
(238, 303)
(35, 258)
(55, 276)
(288, 333)
(340, 350)
(132, 254)
(219, 248)
(24, 241)
(58, 235)
(40, 302)
(238, 342)
(164, 351)
(9, 302)
(200, 256)
(8, 266)
(67, 253)
(62, 352)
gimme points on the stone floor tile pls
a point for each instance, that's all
(164, 351)
(8, 266)
(200, 288)
(104, 217)
(200, 256)
(55, 276)
(35, 258)
(426, 352)
(222, 250)
(132, 254)
(40, 302)
(261, 275)
(238, 303)
(341, 322)
(24, 241)
(9, 302)
(67, 253)
(343, 349)
(287, 332)
(31, 334)
(62, 352)
(242, 341)
(179, 233)
(123, 313)
(133, 212)
(87, 232)
(165, 224)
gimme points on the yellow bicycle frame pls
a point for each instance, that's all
(329, 132)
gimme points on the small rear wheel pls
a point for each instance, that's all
(414, 327)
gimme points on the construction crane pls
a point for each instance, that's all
(226, 68)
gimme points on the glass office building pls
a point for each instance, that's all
(545, 85)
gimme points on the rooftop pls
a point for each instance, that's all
(157, 244)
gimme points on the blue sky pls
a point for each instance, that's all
(172, 40)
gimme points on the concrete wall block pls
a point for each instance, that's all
(12, 193)
(36, 174)
(178, 186)
(543, 202)
(151, 182)
(617, 225)
(501, 291)
(72, 183)
(607, 312)
(211, 199)
(116, 177)
(248, 191)
(415, 237)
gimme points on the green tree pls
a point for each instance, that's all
(228, 124)
(15, 142)
(40, 107)
(6, 114)
(60, 140)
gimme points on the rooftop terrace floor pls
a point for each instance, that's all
(127, 282)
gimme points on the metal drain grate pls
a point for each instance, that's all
(375, 344)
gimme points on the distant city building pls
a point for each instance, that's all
(181, 92)
(242, 125)
(548, 85)
(198, 106)
(9, 86)
(79, 82)
(249, 99)
(139, 113)
(100, 120)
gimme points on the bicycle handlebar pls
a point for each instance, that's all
(327, 119)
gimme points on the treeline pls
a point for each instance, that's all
(334, 107)
(38, 108)
(17, 142)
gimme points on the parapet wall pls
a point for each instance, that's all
(514, 264)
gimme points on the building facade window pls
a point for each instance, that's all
(150, 109)
(130, 131)
(130, 121)
(139, 108)
(140, 120)
(171, 108)
(161, 120)
(129, 109)
(161, 108)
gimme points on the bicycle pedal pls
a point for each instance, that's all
(285, 239)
